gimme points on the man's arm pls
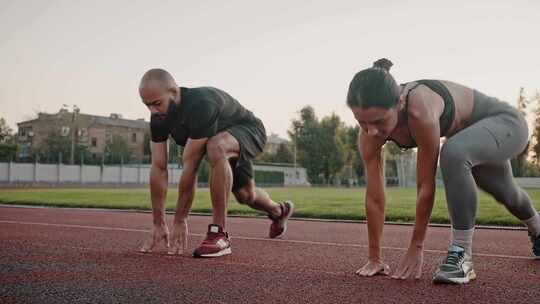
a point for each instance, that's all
(191, 159)
(158, 193)
(158, 181)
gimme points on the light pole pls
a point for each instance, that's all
(73, 132)
(294, 146)
(295, 139)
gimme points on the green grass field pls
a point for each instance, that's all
(327, 203)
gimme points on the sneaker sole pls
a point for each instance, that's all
(285, 221)
(223, 252)
(441, 279)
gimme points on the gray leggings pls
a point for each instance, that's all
(480, 155)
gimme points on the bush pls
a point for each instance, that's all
(8, 152)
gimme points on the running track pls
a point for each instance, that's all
(85, 256)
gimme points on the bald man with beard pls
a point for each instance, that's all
(206, 122)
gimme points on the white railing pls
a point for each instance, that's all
(36, 173)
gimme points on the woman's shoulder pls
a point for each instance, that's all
(422, 102)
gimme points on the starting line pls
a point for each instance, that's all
(260, 239)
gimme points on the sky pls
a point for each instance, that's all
(274, 57)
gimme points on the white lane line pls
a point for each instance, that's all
(263, 239)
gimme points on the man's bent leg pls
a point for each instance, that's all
(218, 150)
(258, 199)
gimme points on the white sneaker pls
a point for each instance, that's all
(457, 268)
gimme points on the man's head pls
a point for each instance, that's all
(157, 90)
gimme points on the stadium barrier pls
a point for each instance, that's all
(60, 174)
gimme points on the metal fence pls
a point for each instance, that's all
(36, 173)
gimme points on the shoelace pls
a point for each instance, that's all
(453, 258)
(211, 236)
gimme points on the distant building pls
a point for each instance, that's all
(273, 142)
(91, 131)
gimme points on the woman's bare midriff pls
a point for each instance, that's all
(464, 105)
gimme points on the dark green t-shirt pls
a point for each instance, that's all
(203, 112)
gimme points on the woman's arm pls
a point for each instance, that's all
(424, 116)
(425, 108)
(371, 152)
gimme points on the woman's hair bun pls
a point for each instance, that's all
(384, 64)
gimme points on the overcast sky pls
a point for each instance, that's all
(273, 56)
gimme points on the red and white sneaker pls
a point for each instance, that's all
(215, 244)
(279, 224)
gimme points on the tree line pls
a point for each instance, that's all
(326, 147)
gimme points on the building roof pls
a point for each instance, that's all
(114, 120)
(275, 139)
(120, 122)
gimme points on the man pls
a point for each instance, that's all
(205, 121)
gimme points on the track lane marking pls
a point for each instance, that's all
(503, 256)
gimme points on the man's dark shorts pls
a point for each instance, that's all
(252, 137)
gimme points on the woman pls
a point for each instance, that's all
(482, 134)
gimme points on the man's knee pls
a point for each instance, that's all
(216, 149)
(245, 196)
(221, 147)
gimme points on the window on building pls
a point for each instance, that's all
(64, 131)
(23, 132)
(134, 137)
(25, 150)
(83, 132)
(108, 136)
(94, 142)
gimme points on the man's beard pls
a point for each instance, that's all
(164, 116)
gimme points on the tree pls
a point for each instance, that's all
(283, 155)
(175, 152)
(319, 144)
(536, 130)
(8, 148)
(56, 146)
(305, 135)
(353, 159)
(6, 133)
(8, 151)
(522, 102)
(146, 148)
(332, 146)
(519, 164)
(118, 150)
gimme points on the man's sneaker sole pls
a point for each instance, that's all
(440, 278)
(223, 252)
(285, 220)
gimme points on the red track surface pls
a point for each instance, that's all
(84, 256)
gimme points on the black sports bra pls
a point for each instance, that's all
(447, 116)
